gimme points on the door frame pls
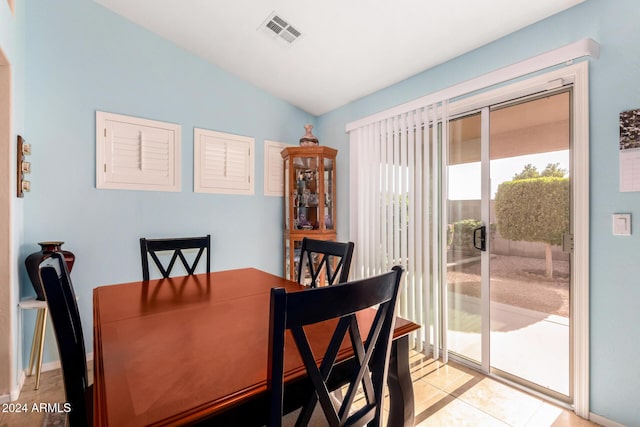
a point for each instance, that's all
(7, 190)
(577, 75)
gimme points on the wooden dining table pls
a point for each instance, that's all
(193, 350)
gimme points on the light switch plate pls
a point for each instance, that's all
(621, 224)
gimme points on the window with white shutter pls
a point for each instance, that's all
(136, 154)
(274, 168)
(222, 163)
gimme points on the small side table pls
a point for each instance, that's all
(37, 344)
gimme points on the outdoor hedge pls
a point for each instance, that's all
(533, 210)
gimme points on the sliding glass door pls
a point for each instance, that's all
(508, 269)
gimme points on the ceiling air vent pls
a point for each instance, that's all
(279, 28)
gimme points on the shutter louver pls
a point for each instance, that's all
(140, 154)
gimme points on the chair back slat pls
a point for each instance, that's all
(176, 246)
(318, 257)
(67, 326)
(297, 310)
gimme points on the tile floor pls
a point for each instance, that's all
(455, 396)
(445, 395)
(51, 391)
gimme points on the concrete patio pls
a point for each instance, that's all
(526, 343)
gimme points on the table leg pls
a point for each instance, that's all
(401, 404)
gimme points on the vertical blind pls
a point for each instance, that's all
(394, 204)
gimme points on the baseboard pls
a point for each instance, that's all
(16, 392)
(13, 394)
(603, 421)
(50, 366)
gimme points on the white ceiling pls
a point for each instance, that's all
(348, 48)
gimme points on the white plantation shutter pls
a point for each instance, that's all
(136, 154)
(274, 168)
(223, 163)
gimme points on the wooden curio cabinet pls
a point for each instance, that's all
(309, 200)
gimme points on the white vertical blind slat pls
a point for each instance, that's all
(386, 204)
(354, 147)
(363, 204)
(426, 215)
(376, 199)
(390, 193)
(410, 223)
(416, 203)
(435, 283)
(364, 220)
(396, 192)
(402, 214)
(371, 185)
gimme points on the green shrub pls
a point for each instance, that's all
(462, 234)
(533, 210)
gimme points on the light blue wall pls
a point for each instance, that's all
(615, 261)
(12, 44)
(82, 58)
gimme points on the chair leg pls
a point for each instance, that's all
(43, 325)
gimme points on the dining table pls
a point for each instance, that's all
(193, 350)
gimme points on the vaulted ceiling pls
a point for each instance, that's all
(341, 49)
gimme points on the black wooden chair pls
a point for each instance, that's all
(67, 327)
(295, 311)
(335, 257)
(151, 247)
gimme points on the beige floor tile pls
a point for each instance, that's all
(452, 377)
(459, 414)
(422, 366)
(569, 419)
(501, 401)
(427, 396)
(51, 390)
(549, 415)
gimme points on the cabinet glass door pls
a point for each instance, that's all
(292, 253)
(306, 207)
(329, 178)
(287, 194)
